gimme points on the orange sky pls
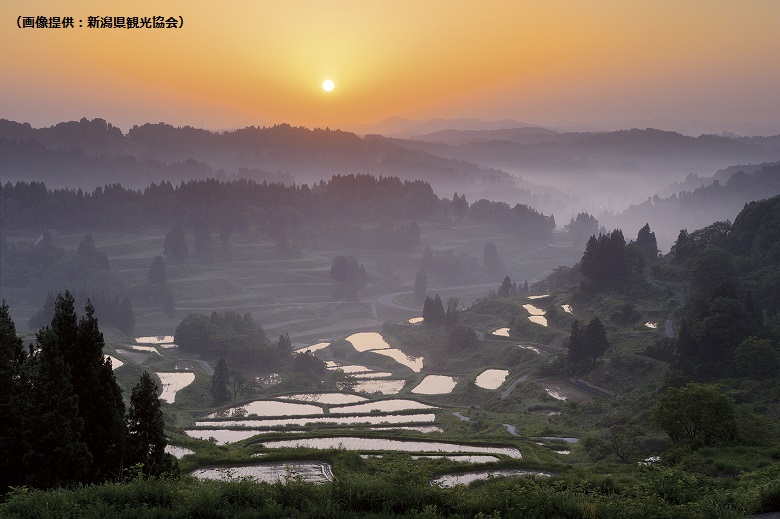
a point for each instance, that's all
(244, 62)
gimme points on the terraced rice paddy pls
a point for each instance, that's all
(566, 308)
(283, 472)
(150, 349)
(155, 339)
(435, 385)
(502, 332)
(464, 478)
(172, 383)
(381, 444)
(413, 363)
(415, 320)
(537, 314)
(178, 452)
(366, 341)
(115, 362)
(326, 398)
(460, 459)
(491, 378)
(383, 406)
(651, 325)
(330, 419)
(382, 387)
(268, 408)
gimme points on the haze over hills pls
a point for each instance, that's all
(609, 175)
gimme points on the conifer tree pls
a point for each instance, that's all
(100, 400)
(284, 346)
(12, 385)
(52, 451)
(147, 429)
(219, 383)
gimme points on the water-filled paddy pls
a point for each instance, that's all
(533, 310)
(139, 357)
(326, 398)
(222, 436)
(435, 385)
(178, 452)
(306, 471)
(425, 429)
(461, 459)
(382, 387)
(381, 444)
(268, 408)
(538, 319)
(365, 341)
(384, 406)
(155, 339)
(115, 362)
(464, 478)
(330, 419)
(491, 378)
(349, 368)
(554, 392)
(413, 363)
(172, 383)
(373, 374)
(502, 332)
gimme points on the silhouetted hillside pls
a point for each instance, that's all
(303, 153)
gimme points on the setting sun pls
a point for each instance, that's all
(328, 85)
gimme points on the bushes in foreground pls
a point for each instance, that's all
(652, 492)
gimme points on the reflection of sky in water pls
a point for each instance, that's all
(365, 341)
(435, 385)
(381, 444)
(491, 378)
(172, 383)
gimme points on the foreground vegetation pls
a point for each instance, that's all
(400, 489)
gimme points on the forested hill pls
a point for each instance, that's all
(699, 207)
(304, 153)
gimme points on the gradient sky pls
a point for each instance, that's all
(245, 62)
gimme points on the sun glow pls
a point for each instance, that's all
(328, 85)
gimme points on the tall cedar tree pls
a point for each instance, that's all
(99, 396)
(433, 311)
(147, 429)
(219, 383)
(12, 357)
(284, 346)
(52, 451)
(100, 400)
(647, 243)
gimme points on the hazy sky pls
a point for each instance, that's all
(244, 62)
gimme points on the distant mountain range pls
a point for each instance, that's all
(556, 172)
